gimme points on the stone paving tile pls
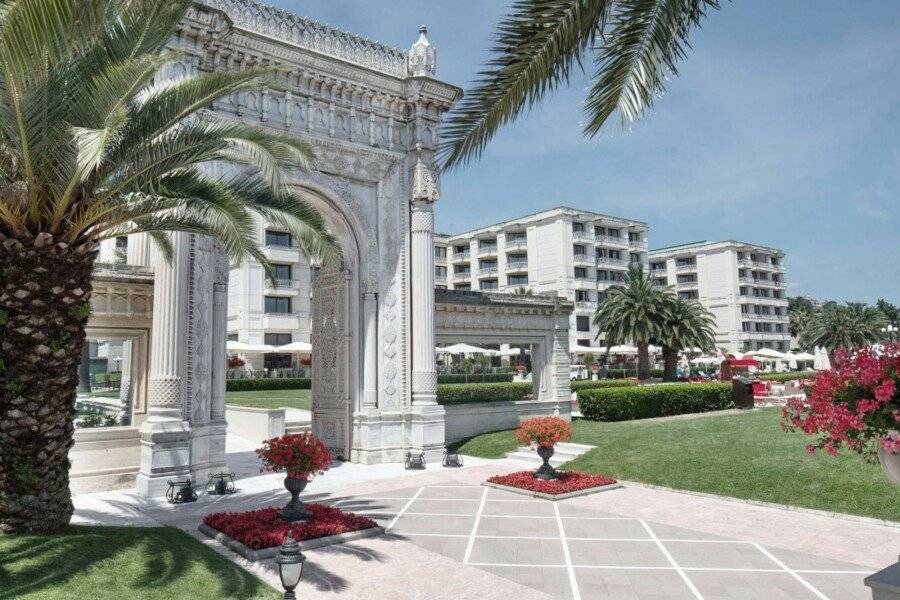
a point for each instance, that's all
(552, 581)
(517, 552)
(622, 584)
(668, 532)
(451, 547)
(616, 554)
(450, 507)
(720, 556)
(839, 586)
(518, 526)
(797, 560)
(523, 509)
(380, 505)
(495, 494)
(567, 509)
(429, 524)
(736, 585)
(624, 529)
(470, 492)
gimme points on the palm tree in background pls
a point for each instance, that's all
(686, 324)
(93, 146)
(633, 311)
(846, 326)
(634, 44)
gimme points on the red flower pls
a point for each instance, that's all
(885, 390)
(544, 431)
(569, 481)
(262, 528)
(301, 455)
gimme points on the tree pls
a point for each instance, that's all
(892, 315)
(800, 312)
(93, 146)
(635, 45)
(848, 326)
(632, 312)
(685, 324)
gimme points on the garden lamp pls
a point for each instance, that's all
(290, 566)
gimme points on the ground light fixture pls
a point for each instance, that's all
(290, 566)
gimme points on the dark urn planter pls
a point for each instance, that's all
(545, 471)
(294, 510)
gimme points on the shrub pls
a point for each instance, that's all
(254, 385)
(301, 455)
(544, 431)
(463, 393)
(614, 373)
(792, 376)
(642, 402)
(477, 378)
(587, 384)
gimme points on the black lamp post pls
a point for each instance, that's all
(290, 566)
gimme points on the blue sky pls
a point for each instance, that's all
(783, 129)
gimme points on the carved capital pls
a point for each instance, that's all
(425, 183)
(422, 217)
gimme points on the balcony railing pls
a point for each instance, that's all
(487, 250)
(686, 267)
(610, 239)
(686, 284)
(458, 256)
(516, 242)
(516, 265)
(582, 235)
(286, 284)
(583, 258)
(585, 305)
(487, 271)
(611, 262)
(462, 275)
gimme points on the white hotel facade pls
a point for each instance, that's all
(574, 253)
(742, 284)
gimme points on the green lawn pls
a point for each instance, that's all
(271, 399)
(743, 456)
(112, 563)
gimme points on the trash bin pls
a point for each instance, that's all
(742, 392)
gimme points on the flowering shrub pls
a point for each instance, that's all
(855, 405)
(567, 482)
(544, 431)
(263, 528)
(301, 455)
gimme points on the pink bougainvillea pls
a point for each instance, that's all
(855, 405)
(262, 528)
(569, 481)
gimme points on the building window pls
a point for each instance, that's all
(658, 266)
(688, 295)
(462, 286)
(581, 273)
(763, 327)
(779, 328)
(460, 249)
(687, 278)
(232, 337)
(635, 257)
(602, 275)
(517, 280)
(598, 230)
(488, 284)
(578, 249)
(462, 269)
(615, 254)
(585, 343)
(277, 339)
(577, 227)
(634, 236)
(689, 261)
(617, 276)
(440, 287)
(487, 244)
(277, 361)
(440, 271)
(278, 238)
(440, 252)
(516, 237)
(278, 305)
(747, 326)
(744, 291)
(582, 296)
(660, 281)
(282, 272)
(777, 294)
(614, 233)
(582, 323)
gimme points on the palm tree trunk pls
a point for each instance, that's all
(44, 307)
(643, 361)
(670, 363)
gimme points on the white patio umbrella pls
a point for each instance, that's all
(767, 353)
(300, 347)
(577, 349)
(707, 360)
(512, 351)
(822, 362)
(801, 356)
(235, 346)
(623, 349)
(466, 349)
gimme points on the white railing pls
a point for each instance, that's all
(516, 265)
(687, 267)
(487, 270)
(461, 255)
(516, 242)
(583, 258)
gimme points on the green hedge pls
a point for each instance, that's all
(463, 393)
(478, 378)
(625, 373)
(642, 402)
(255, 385)
(792, 376)
(587, 384)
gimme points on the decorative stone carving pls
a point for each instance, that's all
(422, 56)
(425, 183)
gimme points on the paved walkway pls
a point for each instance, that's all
(449, 537)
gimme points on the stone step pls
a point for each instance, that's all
(294, 427)
(564, 452)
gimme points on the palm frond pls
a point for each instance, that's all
(535, 48)
(646, 40)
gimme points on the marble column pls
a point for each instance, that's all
(165, 435)
(139, 250)
(424, 374)
(217, 428)
(370, 351)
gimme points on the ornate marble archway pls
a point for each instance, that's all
(372, 114)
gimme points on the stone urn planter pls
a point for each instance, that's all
(546, 470)
(294, 510)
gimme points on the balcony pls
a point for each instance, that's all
(463, 276)
(585, 305)
(517, 265)
(610, 240)
(744, 262)
(440, 279)
(582, 236)
(583, 259)
(461, 256)
(685, 285)
(289, 320)
(638, 244)
(486, 271)
(514, 243)
(287, 254)
(605, 261)
(686, 267)
(490, 250)
(283, 285)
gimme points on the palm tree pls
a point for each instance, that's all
(686, 324)
(632, 312)
(523, 291)
(846, 326)
(635, 45)
(93, 146)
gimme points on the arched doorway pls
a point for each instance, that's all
(335, 330)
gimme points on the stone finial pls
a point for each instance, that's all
(422, 56)
(425, 183)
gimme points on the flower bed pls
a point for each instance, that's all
(568, 482)
(258, 529)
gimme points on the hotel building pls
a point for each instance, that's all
(741, 284)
